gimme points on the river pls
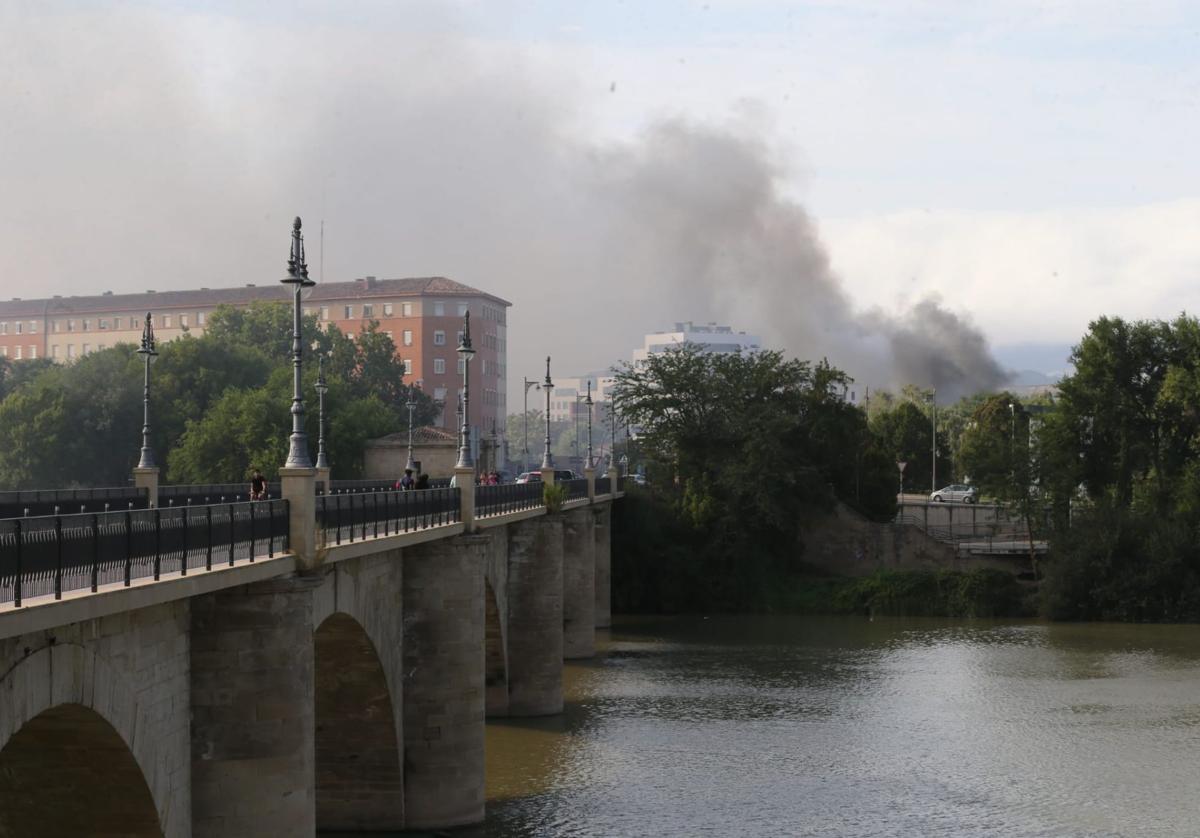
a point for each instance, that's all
(748, 726)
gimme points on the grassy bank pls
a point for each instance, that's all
(920, 593)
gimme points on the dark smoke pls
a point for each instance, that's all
(183, 162)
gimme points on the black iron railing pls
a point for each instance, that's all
(576, 489)
(34, 502)
(202, 493)
(53, 554)
(357, 515)
(508, 497)
(348, 486)
(603, 485)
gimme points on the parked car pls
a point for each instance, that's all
(956, 492)
(560, 474)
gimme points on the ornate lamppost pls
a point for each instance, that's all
(528, 384)
(148, 353)
(322, 388)
(411, 404)
(297, 277)
(588, 402)
(466, 352)
(547, 385)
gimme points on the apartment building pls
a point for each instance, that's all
(423, 316)
(710, 337)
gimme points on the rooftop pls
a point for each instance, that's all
(365, 289)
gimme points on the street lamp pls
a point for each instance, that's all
(578, 400)
(588, 402)
(297, 277)
(466, 352)
(528, 384)
(612, 429)
(322, 388)
(411, 404)
(146, 350)
(547, 385)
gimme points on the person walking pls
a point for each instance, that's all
(406, 482)
(258, 486)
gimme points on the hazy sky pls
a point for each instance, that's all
(812, 171)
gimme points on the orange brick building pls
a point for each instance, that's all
(423, 317)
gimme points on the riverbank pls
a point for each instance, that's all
(917, 593)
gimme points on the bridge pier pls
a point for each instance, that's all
(252, 710)
(535, 616)
(579, 584)
(443, 584)
(602, 528)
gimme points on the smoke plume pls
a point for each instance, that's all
(154, 150)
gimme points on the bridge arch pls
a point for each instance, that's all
(359, 782)
(67, 768)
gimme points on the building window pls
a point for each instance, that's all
(3, 328)
(116, 324)
(406, 309)
(484, 372)
(324, 312)
(54, 351)
(87, 325)
(33, 327)
(3, 351)
(439, 366)
(166, 321)
(408, 366)
(70, 325)
(200, 318)
(439, 309)
(439, 394)
(103, 323)
(349, 312)
(70, 350)
(19, 325)
(389, 335)
(462, 366)
(439, 338)
(368, 311)
(462, 309)
(387, 309)
(18, 355)
(183, 321)
(33, 353)
(408, 337)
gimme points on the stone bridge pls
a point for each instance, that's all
(329, 687)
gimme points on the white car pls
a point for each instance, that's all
(956, 492)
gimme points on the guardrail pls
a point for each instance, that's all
(203, 493)
(54, 554)
(36, 502)
(603, 485)
(577, 488)
(508, 497)
(345, 517)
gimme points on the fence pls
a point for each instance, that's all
(345, 517)
(202, 493)
(576, 489)
(55, 501)
(508, 497)
(603, 485)
(54, 554)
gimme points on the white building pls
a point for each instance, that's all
(710, 337)
(566, 400)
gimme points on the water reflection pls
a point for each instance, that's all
(851, 727)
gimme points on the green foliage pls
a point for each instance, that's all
(554, 495)
(983, 592)
(220, 404)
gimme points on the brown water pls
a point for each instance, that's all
(850, 727)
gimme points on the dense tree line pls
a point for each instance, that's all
(220, 404)
(746, 449)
